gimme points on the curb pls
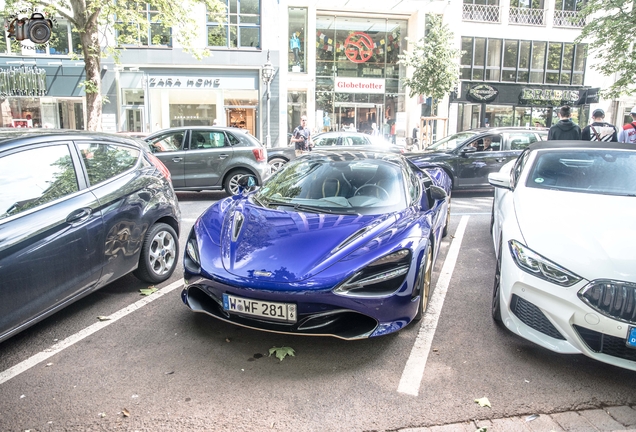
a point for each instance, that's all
(611, 419)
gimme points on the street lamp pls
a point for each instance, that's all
(268, 76)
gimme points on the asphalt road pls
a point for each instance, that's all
(162, 367)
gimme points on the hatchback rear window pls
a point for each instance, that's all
(105, 161)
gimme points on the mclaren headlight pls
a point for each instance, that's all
(533, 263)
(192, 260)
(382, 277)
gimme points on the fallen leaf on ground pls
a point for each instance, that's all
(148, 291)
(169, 373)
(103, 318)
(282, 352)
(102, 415)
(532, 417)
(483, 402)
(482, 429)
(125, 412)
(49, 364)
(227, 339)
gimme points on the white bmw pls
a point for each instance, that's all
(564, 230)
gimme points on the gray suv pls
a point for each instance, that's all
(209, 157)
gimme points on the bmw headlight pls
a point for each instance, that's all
(382, 277)
(533, 263)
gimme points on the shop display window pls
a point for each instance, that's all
(297, 54)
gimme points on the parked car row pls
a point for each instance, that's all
(79, 210)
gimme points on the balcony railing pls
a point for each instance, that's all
(565, 18)
(483, 13)
(527, 16)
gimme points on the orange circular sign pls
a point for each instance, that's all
(358, 47)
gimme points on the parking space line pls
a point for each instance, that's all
(414, 368)
(73, 339)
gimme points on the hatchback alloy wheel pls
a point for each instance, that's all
(232, 185)
(159, 254)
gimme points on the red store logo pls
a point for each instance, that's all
(358, 47)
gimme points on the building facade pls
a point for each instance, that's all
(337, 63)
(520, 63)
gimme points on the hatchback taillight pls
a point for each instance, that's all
(159, 165)
(259, 154)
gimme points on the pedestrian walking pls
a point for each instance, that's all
(565, 129)
(301, 137)
(628, 133)
(599, 130)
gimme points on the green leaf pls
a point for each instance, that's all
(148, 291)
(281, 352)
(484, 402)
(482, 429)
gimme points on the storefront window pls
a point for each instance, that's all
(478, 60)
(296, 58)
(352, 51)
(154, 33)
(493, 66)
(241, 28)
(579, 64)
(522, 61)
(297, 107)
(537, 67)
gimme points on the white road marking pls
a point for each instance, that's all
(414, 369)
(71, 340)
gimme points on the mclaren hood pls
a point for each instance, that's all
(289, 246)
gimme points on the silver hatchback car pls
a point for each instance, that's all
(209, 157)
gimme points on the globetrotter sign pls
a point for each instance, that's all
(360, 85)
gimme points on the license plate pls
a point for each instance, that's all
(631, 337)
(285, 312)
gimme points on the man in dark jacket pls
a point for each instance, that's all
(565, 129)
(599, 130)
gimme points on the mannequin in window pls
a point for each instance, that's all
(294, 45)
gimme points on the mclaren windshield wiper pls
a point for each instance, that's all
(302, 207)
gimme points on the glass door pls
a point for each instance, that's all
(358, 117)
(133, 119)
(242, 117)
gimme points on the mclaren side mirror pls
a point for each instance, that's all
(437, 193)
(246, 183)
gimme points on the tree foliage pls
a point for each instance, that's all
(609, 28)
(99, 22)
(434, 60)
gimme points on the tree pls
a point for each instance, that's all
(123, 21)
(609, 32)
(435, 62)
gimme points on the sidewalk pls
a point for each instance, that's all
(615, 419)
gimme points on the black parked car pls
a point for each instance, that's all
(469, 156)
(77, 211)
(209, 157)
